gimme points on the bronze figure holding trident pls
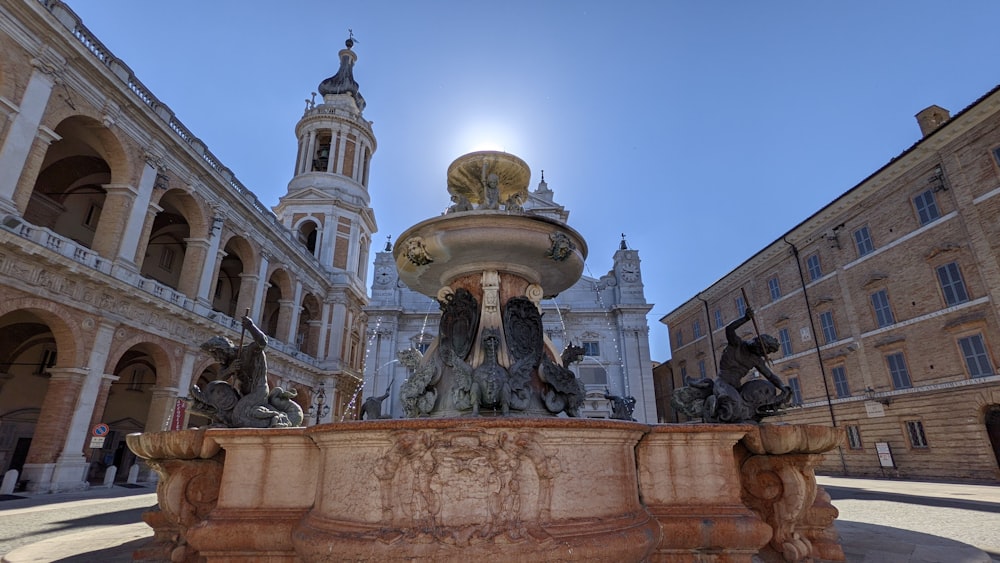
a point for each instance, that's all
(726, 398)
(246, 402)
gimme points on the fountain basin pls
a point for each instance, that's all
(540, 250)
(525, 489)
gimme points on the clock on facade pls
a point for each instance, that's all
(383, 276)
(630, 271)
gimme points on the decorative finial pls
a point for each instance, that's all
(350, 38)
(388, 243)
(623, 245)
(543, 175)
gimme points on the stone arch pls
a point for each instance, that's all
(60, 323)
(232, 290)
(167, 372)
(168, 256)
(307, 230)
(276, 314)
(307, 333)
(68, 194)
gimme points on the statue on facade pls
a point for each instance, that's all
(621, 407)
(418, 394)
(459, 203)
(727, 398)
(372, 407)
(491, 192)
(242, 397)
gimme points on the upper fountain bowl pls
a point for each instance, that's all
(468, 174)
(435, 252)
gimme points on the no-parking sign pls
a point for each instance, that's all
(101, 430)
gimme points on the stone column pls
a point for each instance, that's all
(195, 262)
(102, 398)
(147, 230)
(284, 316)
(338, 327)
(295, 310)
(56, 412)
(328, 240)
(300, 160)
(135, 221)
(213, 259)
(21, 134)
(321, 339)
(310, 151)
(118, 204)
(341, 150)
(71, 466)
(185, 379)
(248, 283)
(257, 305)
(160, 409)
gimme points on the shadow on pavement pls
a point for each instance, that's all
(840, 493)
(864, 543)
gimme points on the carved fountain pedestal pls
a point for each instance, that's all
(508, 488)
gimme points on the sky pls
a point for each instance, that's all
(703, 131)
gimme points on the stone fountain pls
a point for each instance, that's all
(492, 461)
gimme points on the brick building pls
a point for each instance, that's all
(125, 243)
(886, 303)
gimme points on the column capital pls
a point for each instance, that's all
(120, 189)
(67, 374)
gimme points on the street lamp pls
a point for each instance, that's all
(319, 406)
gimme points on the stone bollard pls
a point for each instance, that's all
(109, 476)
(9, 482)
(133, 474)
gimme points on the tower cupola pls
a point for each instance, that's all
(341, 88)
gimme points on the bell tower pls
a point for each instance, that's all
(327, 204)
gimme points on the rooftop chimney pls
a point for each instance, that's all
(931, 118)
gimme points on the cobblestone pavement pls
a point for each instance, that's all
(40, 517)
(881, 521)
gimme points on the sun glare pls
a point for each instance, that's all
(485, 136)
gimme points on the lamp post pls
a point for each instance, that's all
(319, 406)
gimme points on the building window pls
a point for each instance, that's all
(93, 216)
(883, 313)
(897, 369)
(741, 306)
(840, 382)
(863, 241)
(915, 431)
(927, 209)
(774, 286)
(591, 348)
(701, 369)
(679, 337)
(829, 329)
(976, 359)
(793, 382)
(854, 437)
(786, 342)
(167, 259)
(684, 374)
(812, 264)
(718, 318)
(593, 375)
(996, 154)
(952, 284)
(48, 360)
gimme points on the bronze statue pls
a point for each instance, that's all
(372, 407)
(727, 398)
(247, 402)
(621, 407)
